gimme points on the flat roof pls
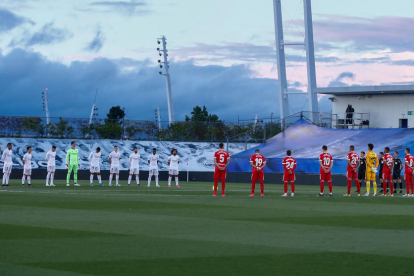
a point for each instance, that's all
(366, 90)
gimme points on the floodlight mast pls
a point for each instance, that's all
(281, 62)
(164, 51)
(94, 108)
(46, 106)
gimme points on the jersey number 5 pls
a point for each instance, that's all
(221, 158)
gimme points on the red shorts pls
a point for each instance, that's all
(288, 177)
(257, 175)
(387, 176)
(351, 174)
(325, 176)
(220, 174)
(408, 177)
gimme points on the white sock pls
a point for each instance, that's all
(28, 179)
(7, 178)
(176, 180)
(52, 176)
(169, 180)
(99, 178)
(47, 178)
(129, 179)
(91, 178)
(4, 179)
(137, 178)
(156, 180)
(23, 179)
(117, 179)
(110, 179)
(149, 180)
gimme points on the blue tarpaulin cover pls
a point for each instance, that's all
(305, 140)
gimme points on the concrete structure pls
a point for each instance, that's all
(383, 106)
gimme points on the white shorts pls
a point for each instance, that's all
(7, 168)
(27, 171)
(95, 169)
(51, 169)
(153, 171)
(114, 169)
(173, 171)
(134, 170)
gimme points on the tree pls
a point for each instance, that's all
(32, 126)
(115, 114)
(61, 129)
(202, 125)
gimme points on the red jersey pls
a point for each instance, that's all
(353, 157)
(221, 157)
(258, 160)
(289, 164)
(409, 161)
(326, 159)
(388, 160)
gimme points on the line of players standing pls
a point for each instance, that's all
(72, 164)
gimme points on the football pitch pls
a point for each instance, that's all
(184, 231)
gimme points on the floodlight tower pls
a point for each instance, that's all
(94, 109)
(46, 105)
(158, 117)
(281, 63)
(166, 73)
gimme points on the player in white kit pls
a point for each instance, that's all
(95, 160)
(51, 166)
(153, 166)
(173, 162)
(114, 160)
(8, 163)
(134, 166)
(27, 167)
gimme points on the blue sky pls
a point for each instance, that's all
(222, 53)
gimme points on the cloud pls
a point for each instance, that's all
(226, 91)
(48, 34)
(10, 20)
(97, 42)
(365, 34)
(131, 7)
(338, 81)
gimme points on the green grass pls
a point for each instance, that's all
(169, 231)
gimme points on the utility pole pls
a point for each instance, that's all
(166, 73)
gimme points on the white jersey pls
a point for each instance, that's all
(51, 158)
(7, 156)
(115, 156)
(27, 160)
(134, 160)
(174, 160)
(95, 159)
(153, 158)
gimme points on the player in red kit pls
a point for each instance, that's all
(387, 171)
(258, 162)
(326, 163)
(408, 173)
(289, 164)
(352, 170)
(222, 160)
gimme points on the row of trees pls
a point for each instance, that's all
(199, 126)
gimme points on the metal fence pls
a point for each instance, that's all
(255, 130)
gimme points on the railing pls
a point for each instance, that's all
(351, 120)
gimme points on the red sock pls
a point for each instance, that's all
(223, 186)
(392, 188)
(349, 186)
(407, 187)
(384, 187)
(330, 186)
(358, 186)
(292, 185)
(262, 186)
(412, 186)
(285, 186)
(322, 186)
(253, 186)
(215, 185)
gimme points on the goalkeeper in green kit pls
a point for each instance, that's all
(72, 163)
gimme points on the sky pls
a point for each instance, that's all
(221, 53)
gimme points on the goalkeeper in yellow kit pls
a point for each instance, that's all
(372, 164)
